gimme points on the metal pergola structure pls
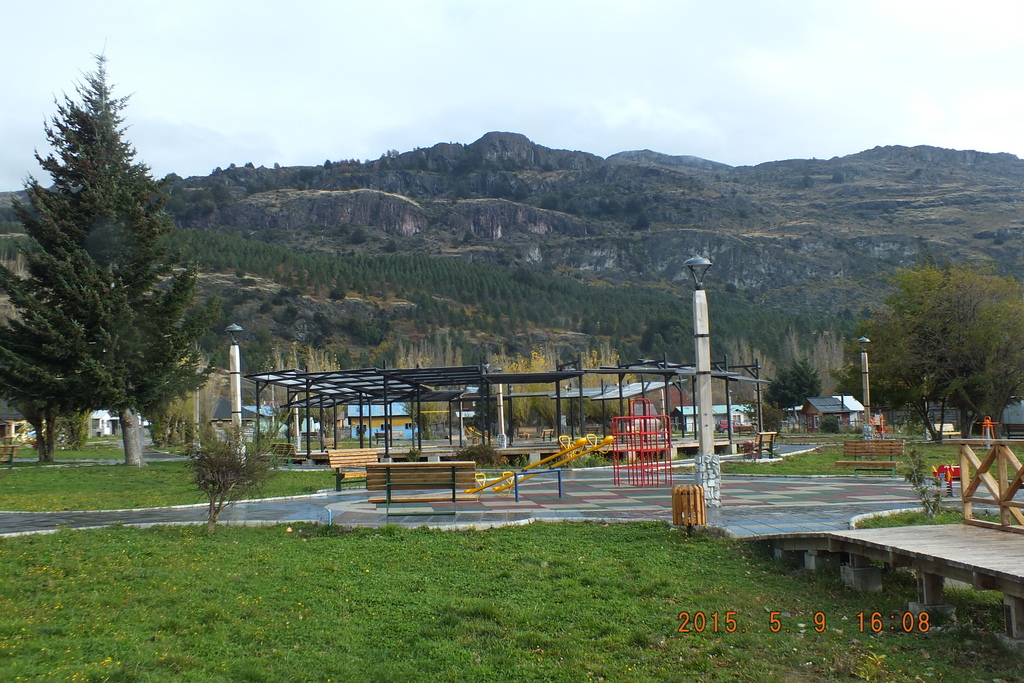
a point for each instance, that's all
(385, 386)
(674, 373)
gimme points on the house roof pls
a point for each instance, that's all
(222, 411)
(8, 412)
(834, 404)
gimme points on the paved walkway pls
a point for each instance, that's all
(752, 505)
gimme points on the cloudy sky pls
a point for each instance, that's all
(215, 82)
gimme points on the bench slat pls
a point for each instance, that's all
(352, 457)
(448, 476)
(464, 497)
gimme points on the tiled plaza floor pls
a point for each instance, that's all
(751, 506)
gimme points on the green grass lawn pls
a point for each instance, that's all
(39, 488)
(822, 461)
(97, 450)
(948, 515)
(544, 602)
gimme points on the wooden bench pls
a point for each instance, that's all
(763, 441)
(349, 459)
(284, 451)
(8, 452)
(420, 478)
(526, 433)
(1011, 430)
(867, 455)
(946, 429)
(547, 434)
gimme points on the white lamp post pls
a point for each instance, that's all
(865, 380)
(707, 469)
(235, 370)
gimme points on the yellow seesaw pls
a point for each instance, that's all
(569, 452)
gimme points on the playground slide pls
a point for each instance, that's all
(569, 452)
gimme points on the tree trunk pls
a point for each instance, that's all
(212, 515)
(47, 436)
(921, 408)
(131, 437)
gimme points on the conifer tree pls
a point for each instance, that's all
(103, 320)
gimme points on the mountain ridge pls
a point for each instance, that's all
(811, 231)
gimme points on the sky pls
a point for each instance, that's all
(216, 82)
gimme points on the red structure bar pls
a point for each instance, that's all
(643, 446)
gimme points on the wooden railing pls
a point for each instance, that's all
(999, 474)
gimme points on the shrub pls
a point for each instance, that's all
(226, 471)
(482, 454)
(830, 424)
(924, 483)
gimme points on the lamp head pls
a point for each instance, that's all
(862, 341)
(233, 329)
(698, 267)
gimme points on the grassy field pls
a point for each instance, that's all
(948, 515)
(572, 602)
(822, 461)
(39, 488)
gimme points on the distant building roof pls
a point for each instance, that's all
(833, 404)
(7, 412)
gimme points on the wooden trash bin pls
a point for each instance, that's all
(688, 506)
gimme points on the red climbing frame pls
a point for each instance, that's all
(643, 446)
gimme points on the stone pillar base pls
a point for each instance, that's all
(1013, 614)
(787, 556)
(943, 611)
(820, 559)
(861, 578)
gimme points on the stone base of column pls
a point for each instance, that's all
(861, 578)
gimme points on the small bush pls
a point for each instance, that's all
(923, 482)
(225, 471)
(830, 424)
(482, 454)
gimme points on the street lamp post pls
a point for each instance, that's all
(865, 379)
(235, 372)
(707, 469)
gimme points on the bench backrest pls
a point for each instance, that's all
(1012, 430)
(765, 439)
(873, 448)
(352, 457)
(425, 475)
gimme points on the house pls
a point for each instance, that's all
(12, 422)
(686, 416)
(846, 409)
(103, 423)
(220, 418)
(373, 417)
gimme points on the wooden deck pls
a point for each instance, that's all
(987, 559)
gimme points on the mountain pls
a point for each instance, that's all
(444, 254)
(807, 235)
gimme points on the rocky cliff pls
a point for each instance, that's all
(808, 233)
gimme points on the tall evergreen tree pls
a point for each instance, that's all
(793, 385)
(103, 318)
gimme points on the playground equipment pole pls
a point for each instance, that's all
(235, 373)
(502, 439)
(865, 379)
(707, 468)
